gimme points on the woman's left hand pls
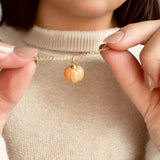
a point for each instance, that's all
(140, 82)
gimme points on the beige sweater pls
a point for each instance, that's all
(59, 120)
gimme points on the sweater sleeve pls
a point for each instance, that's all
(152, 153)
(3, 151)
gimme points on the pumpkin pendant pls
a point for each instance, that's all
(74, 73)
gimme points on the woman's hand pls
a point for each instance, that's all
(17, 70)
(140, 82)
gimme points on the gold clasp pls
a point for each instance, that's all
(35, 58)
(73, 60)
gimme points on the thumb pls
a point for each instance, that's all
(129, 75)
(132, 34)
(13, 83)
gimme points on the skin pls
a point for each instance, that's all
(95, 15)
(82, 15)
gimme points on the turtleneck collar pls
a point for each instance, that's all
(68, 41)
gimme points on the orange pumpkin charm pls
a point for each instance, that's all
(74, 73)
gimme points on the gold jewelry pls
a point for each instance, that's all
(73, 72)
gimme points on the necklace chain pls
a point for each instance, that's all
(51, 58)
(70, 70)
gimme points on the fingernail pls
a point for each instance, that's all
(114, 38)
(102, 46)
(25, 52)
(6, 48)
(149, 82)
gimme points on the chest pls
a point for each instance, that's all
(92, 119)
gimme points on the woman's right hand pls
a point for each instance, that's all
(18, 68)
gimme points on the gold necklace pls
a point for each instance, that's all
(73, 72)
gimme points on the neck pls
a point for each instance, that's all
(51, 17)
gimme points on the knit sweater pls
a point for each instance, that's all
(59, 120)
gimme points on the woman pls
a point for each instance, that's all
(94, 118)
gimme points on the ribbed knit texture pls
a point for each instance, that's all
(67, 41)
(59, 120)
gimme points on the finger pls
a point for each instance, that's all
(13, 57)
(13, 83)
(129, 75)
(150, 60)
(132, 34)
